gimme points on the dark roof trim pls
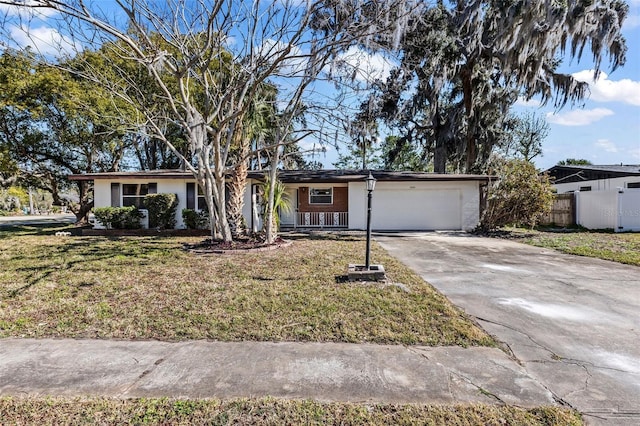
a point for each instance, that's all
(146, 174)
(341, 176)
(293, 176)
(622, 169)
(573, 173)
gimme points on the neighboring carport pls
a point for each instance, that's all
(572, 322)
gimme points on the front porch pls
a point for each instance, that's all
(323, 220)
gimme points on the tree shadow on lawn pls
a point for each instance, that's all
(84, 251)
(9, 231)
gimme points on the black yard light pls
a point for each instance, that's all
(371, 184)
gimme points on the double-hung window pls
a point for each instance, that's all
(133, 193)
(321, 196)
(195, 199)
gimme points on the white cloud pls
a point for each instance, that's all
(362, 66)
(44, 40)
(606, 145)
(605, 90)
(579, 117)
(635, 153)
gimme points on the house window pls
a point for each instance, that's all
(633, 185)
(195, 202)
(321, 196)
(585, 188)
(133, 193)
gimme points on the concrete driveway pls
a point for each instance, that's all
(572, 322)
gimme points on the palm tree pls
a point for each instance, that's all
(281, 203)
(257, 123)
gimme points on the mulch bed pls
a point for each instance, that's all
(205, 247)
(237, 246)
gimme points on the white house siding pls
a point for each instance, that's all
(247, 209)
(597, 185)
(102, 192)
(406, 205)
(449, 205)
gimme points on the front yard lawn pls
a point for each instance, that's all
(269, 411)
(149, 288)
(620, 247)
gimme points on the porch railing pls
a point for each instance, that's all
(322, 219)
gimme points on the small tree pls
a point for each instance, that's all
(521, 196)
(281, 203)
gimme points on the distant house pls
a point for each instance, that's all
(594, 178)
(604, 197)
(321, 199)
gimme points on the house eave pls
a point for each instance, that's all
(294, 176)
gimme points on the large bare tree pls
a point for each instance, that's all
(208, 59)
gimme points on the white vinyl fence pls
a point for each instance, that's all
(618, 210)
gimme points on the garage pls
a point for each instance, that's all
(413, 201)
(416, 208)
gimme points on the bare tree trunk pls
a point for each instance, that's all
(270, 226)
(440, 156)
(471, 150)
(440, 151)
(84, 205)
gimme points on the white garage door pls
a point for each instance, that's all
(416, 209)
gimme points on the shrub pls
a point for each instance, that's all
(520, 197)
(118, 217)
(13, 198)
(162, 210)
(195, 220)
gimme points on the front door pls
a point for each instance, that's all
(288, 217)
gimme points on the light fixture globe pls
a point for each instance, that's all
(371, 182)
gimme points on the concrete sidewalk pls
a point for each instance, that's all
(321, 371)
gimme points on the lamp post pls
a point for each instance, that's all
(371, 184)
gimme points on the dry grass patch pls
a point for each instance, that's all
(269, 411)
(148, 287)
(618, 247)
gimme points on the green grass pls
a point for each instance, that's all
(149, 288)
(268, 411)
(618, 247)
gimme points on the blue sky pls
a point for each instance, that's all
(605, 129)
